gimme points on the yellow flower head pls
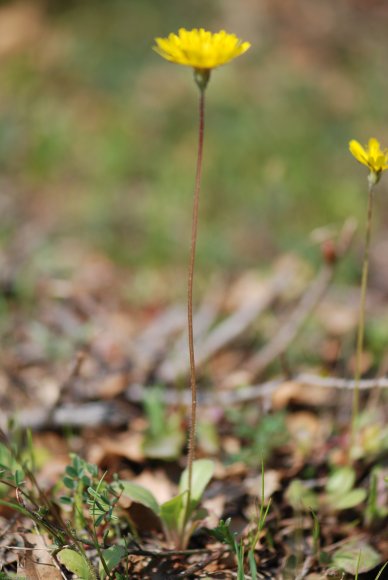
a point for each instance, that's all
(372, 156)
(200, 49)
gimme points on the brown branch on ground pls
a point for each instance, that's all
(113, 413)
(153, 345)
(229, 330)
(304, 309)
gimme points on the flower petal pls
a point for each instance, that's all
(200, 48)
(358, 152)
(374, 148)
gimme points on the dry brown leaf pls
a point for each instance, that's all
(224, 364)
(231, 445)
(158, 483)
(248, 289)
(330, 350)
(38, 563)
(111, 386)
(253, 485)
(128, 445)
(20, 24)
(215, 507)
(225, 471)
(338, 319)
(236, 379)
(294, 392)
(366, 362)
(306, 430)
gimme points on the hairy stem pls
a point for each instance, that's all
(361, 318)
(194, 230)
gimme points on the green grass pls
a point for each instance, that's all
(95, 125)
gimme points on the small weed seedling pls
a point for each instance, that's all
(164, 437)
(179, 520)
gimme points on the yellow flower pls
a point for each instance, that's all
(200, 49)
(372, 156)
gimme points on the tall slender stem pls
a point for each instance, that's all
(194, 230)
(361, 319)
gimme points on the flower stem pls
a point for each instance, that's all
(361, 318)
(194, 230)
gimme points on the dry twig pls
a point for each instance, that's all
(306, 306)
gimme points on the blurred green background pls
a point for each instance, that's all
(98, 133)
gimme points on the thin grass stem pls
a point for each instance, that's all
(361, 318)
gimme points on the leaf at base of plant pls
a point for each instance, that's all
(76, 564)
(349, 559)
(139, 494)
(203, 470)
(112, 557)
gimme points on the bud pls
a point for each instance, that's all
(329, 252)
(201, 77)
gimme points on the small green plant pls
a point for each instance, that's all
(164, 437)
(91, 502)
(356, 557)
(179, 520)
(261, 437)
(372, 435)
(339, 493)
(262, 514)
(84, 487)
(17, 480)
(375, 512)
(223, 534)
(316, 535)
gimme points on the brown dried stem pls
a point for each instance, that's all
(194, 232)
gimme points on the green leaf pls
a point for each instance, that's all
(66, 500)
(112, 557)
(349, 500)
(347, 558)
(223, 533)
(93, 469)
(71, 472)
(76, 564)
(171, 511)
(252, 564)
(86, 480)
(138, 494)
(19, 477)
(299, 496)
(77, 463)
(69, 483)
(155, 412)
(203, 470)
(168, 446)
(341, 481)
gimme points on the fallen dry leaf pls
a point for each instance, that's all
(253, 485)
(158, 483)
(306, 430)
(294, 392)
(128, 445)
(36, 562)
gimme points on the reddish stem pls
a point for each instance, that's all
(194, 231)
